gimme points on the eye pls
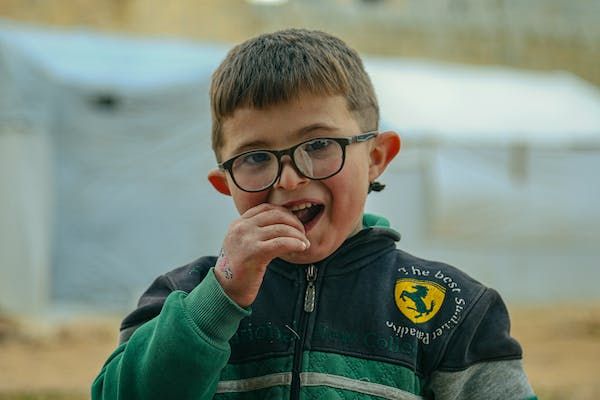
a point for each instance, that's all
(317, 145)
(256, 158)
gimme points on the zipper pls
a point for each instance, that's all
(309, 306)
(311, 291)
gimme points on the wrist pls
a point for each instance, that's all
(215, 313)
(238, 291)
(236, 295)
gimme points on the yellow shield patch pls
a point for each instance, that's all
(418, 300)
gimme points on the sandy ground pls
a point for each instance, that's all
(58, 362)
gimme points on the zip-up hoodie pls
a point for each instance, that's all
(368, 322)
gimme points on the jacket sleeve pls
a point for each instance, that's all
(481, 360)
(179, 354)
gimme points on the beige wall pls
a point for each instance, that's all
(538, 34)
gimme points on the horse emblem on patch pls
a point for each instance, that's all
(418, 300)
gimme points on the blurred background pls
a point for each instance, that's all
(105, 147)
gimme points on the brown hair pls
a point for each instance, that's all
(277, 67)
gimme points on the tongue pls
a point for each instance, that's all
(307, 214)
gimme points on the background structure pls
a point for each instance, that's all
(104, 150)
(536, 34)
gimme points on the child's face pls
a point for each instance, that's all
(339, 199)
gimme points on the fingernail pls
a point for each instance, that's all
(307, 244)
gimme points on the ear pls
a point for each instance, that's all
(219, 181)
(386, 146)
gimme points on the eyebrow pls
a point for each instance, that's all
(305, 131)
(254, 145)
(299, 134)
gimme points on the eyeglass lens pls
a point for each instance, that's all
(316, 159)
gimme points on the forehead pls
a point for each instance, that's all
(285, 124)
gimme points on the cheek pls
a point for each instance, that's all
(355, 177)
(349, 191)
(245, 201)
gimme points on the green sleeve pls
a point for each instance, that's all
(179, 354)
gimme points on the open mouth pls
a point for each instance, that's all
(307, 213)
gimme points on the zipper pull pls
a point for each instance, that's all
(309, 296)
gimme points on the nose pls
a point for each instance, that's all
(289, 179)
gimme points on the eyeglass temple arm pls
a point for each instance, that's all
(364, 137)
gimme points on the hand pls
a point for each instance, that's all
(261, 234)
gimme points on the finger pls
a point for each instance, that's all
(282, 245)
(245, 229)
(259, 209)
(273, 211)
(278, 215)
(282, 230)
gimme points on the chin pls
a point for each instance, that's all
(307, 257)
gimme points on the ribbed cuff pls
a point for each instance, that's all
(215, 314)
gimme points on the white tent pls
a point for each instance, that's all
(504, 163)
(104, 150)
(123, 125)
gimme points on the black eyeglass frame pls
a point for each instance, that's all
(342, 141)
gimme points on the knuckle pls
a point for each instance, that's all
(265, 206)
(276, 240)
(237, 228)
(274, 243)
(281, 229)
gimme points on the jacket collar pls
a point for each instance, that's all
(375, 237)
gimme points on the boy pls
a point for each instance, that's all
(309, 297)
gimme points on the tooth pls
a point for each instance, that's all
(301, 206)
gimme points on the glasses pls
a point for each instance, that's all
(316, 159)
